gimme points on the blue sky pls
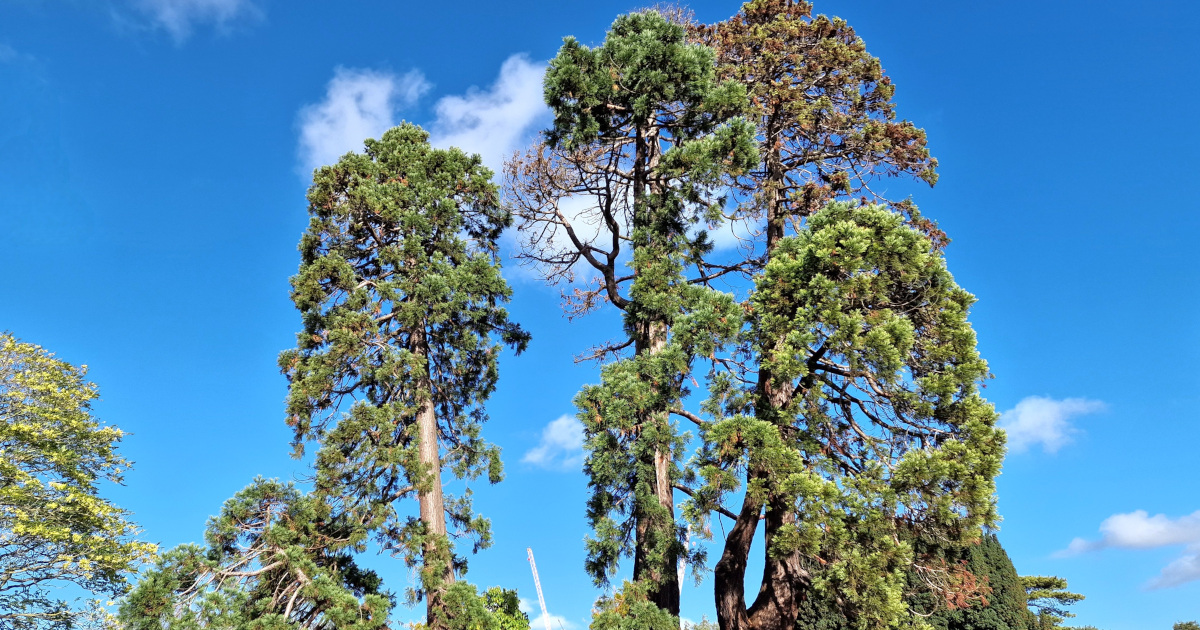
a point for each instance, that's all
(153, 158)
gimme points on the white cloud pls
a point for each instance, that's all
(539, 622)
(362, 104)
(493, 122)
(179, 17)
(557, 622)
(1185, 568)
(1139, 530)
(358, 104)
(1045, 421)
(561, 446)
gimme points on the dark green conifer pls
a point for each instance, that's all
(401, 295)
(1000, 604)
(642, 133)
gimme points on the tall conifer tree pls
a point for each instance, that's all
(642, 133)
(401, 294)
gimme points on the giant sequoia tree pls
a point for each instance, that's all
(826, 129)
(784, 420)
(401, 293)
(642, 133)
(872, 429)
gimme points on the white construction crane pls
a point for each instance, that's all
(538, 583)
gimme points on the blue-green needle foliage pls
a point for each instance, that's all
(274, 558)
(646, 107)
(872, 429)
(402, 299)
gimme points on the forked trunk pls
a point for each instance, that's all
(729, 575)
(777, 605)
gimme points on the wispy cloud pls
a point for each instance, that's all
(358, 104)
(180, 17)
(1184, 569)
(557, 622)
(1038, 420)
(561, 446)
(496, 121)
(1139, 530)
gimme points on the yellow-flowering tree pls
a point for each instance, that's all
(55, 529)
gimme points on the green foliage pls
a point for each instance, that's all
(1186, 625)
(401, 296)
(54, 527)
(495, 609)
(505, 607)
(274, 558)
(630, 609)
(1048, 597)
(644, 76)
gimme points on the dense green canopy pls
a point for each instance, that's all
(872, 426)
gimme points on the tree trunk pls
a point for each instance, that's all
(664, 578)
(729, 576)
(437, 569)
(777, 605)
(775, 195)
